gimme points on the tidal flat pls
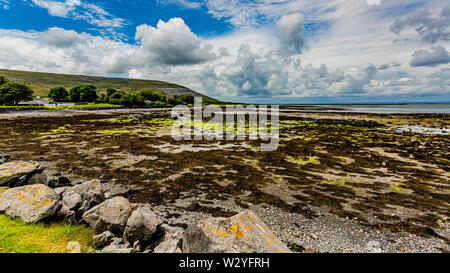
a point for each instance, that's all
(337, 181)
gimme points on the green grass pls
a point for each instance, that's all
(61, 107)
(42, 82)
(18, 237)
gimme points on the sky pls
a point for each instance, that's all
(260, 51)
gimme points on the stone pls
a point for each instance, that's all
(171, 240)
(60, 190)
(17, 173)
(103, 239)
(142, 225)
(114, 189)
(118, 245)
(242, 233)
(374, 247)
(37, 178)
(60, 182)
(30, 203)
(4, 158)
(81, 198)
(110, 215)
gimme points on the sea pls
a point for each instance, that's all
(371, 108)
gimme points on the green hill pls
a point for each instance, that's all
(42, 82)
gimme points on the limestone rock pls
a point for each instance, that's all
(17, 173)
(142, 225)
(113, 189)
(110, 215)
(171, 240)
(82, 197)
(30, 203)
(118, 245)
(103, 239)
(242, 233)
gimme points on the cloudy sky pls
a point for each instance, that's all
(298, 51)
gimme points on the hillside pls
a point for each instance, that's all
(42, 82)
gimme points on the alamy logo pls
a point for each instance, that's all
(374, 2)
(237, 122)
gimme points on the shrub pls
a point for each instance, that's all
(58, 94)
(13, 92)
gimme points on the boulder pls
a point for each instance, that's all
(30, 203)
(118, 245)
(142, 225)
(242, 233)
(103, 239)
(114, 189)
(110, 215)
(4, 158)
(17, 173)
(170, 241)
(81, 198)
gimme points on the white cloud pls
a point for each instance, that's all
(173, 43)
(79, 10)
(59, 37)
(436, 56)
(292, 30)
(430, 28)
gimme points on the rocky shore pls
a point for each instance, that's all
(123, 227)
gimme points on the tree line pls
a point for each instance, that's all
(14, 93)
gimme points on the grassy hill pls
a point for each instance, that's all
(42, 82)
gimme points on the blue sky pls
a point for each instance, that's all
(323, 51)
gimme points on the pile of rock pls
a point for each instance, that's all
(123, 227)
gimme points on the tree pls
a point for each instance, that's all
(84, 92)
(3, 80)
(13, 92)
(58, 94)
(151, 95)
(186, 99)
(111, 91)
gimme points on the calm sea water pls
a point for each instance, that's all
(378, 109)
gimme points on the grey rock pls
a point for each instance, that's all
(30, 203)
(103, 239)
(171, 240)
(114, 189)
(374, 247)
(118, 245)
(242, 233)
(17, 173)
(81, 198)
(142, 225)
(60, 190)
(110, 215)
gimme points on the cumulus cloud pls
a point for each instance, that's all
(292, 30)
(430, 28)
(59, 37)
(436, 56)
(173, 43)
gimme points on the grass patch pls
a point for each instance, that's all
(17, 236)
